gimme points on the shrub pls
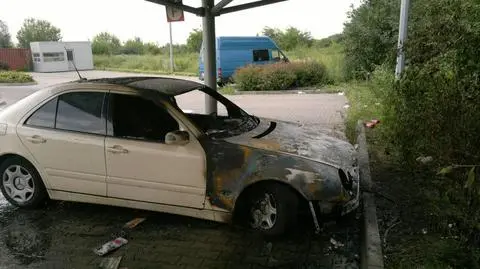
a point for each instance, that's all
(4, 66)
(280, 76)
(310, 73)
(249, 78)
(14, 77)
(277, 77)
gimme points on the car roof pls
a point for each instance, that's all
(164, 85)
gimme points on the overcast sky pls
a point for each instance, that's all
(81, 19)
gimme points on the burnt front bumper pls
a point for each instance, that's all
(353, 203)
(348, 206)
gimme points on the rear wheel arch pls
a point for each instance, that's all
(8, 156)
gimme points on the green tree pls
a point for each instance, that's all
(133, 46)
(289, 39)
(37, 30)
(370, 36)
(274, 34)
(194, 41)
(152, 48)
(105, 43)
(5, 39)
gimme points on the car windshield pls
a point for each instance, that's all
(230, 120)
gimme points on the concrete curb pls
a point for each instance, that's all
(19, 84)
(371, 246)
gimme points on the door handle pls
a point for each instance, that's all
(36, 139)
(117, 149)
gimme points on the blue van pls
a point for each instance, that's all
(237, 51)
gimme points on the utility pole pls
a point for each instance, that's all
(402, 36)
(210, 61)
(172, 68)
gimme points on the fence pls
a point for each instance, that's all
(17, 59)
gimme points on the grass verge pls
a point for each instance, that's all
(418, 225)
(138, 71)
(15, 77)
(184, 63)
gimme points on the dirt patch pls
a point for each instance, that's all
(413, 235)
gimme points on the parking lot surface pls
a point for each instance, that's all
(63, 234)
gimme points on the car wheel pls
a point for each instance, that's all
(272, 209)
(21, 184)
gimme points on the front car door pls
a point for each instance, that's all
(140, 166)
(66, 136)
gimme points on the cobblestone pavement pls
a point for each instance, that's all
(63, 234)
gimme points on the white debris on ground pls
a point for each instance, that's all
(341, 93)
(424, 160)
(336, 244)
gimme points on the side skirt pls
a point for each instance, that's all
(207, 214)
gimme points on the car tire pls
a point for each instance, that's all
(272, 202)
(21, 184)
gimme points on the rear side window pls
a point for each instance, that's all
(81, 112)
(44, 116)
(260, 55)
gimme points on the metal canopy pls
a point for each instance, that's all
(209, 11)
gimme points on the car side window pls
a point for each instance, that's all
(261, 55)
(134, 117)
(81, 112)
(44, 116)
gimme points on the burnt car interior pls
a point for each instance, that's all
(139, 118)
(214, 125)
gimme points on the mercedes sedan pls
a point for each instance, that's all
(129, 142)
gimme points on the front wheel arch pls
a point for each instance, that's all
(240, 206)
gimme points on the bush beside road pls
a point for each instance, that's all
(15, 77)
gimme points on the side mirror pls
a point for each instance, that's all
(177, 138)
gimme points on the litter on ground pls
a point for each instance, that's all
(110, 246)
(133, 223)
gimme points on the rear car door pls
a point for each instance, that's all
(140, 166)
(66, 136)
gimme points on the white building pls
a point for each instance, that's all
(50, 56)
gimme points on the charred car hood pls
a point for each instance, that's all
(310, 142)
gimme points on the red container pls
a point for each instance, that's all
(17, 59)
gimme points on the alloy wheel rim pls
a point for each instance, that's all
(264, 213)
(18, 183)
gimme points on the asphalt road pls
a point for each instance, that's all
(63, 235)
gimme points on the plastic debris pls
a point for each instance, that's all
(300, 92)
(346, 106)
(424, 160)
(110, 246)
(336, 244)
(424, 231)
(110, 263)
(372, 123)
(133, 223)
(341, 93)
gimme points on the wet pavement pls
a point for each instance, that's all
(64, 234)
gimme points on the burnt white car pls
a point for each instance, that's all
(127, 142)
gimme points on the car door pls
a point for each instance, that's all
(66, 136)
(140, 166)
